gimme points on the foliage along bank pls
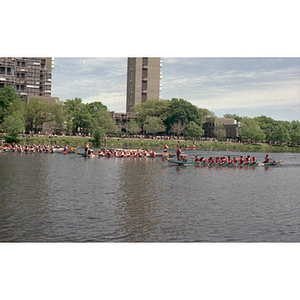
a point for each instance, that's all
(177, 116)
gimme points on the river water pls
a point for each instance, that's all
(69, 198)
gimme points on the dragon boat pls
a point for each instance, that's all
(206, 164)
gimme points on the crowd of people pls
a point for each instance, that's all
(119, 152)
(247, 160)
(34, 148)
(122, 153)
(241, 161)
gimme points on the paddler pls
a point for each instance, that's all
(211, 161)
(247, 160)
(229, 161)
(166, 147)
(241, 160)
(235, 161)
(253, 161)
(178, 153)
(86, 148)
(268, 159)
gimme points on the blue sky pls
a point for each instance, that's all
(243, 86)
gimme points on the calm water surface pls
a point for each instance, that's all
(69, 198)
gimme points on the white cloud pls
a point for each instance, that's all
(214, 83)
(233, 83)
(286, 95)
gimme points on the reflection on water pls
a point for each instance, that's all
(68, 198)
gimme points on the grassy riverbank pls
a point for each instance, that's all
(134, 143)
(203, 145)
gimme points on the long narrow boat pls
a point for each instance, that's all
(83, 154)
(206, 164)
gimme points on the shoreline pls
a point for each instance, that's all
(146, 143)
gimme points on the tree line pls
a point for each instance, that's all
(175, 116)
(266, 129)
(17, 116)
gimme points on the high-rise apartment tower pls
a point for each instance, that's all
(143, 80)
(29, 76)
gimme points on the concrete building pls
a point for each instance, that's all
(29, 76)
(230, 126)
(121, 119)
(143, 80)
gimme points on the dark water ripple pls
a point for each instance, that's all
(67, 198)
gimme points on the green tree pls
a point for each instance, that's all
(37, 112)
(295, 135)
(194, 130)
(295, 124)
(72, 103)
(18, 105)
(79, 114)
(154, 125)
(7, 96)
(132, 127)
(59, 115)
(184, 111)
(267, 125)
(279, 134)
(81, 117)
(152, 108)
(98, 134)
(95, 107)
(103, 118)
(219, 132)
(286, 124)
(250, 129)
(13, 124)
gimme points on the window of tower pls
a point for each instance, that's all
(145, 61)
(144, 85)
(144, 97)
(144, 73)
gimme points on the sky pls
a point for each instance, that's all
(244, 86)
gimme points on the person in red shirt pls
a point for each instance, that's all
(268, 159)
(222, 161)
(229, 160)
(86, 148)
(254, 160)
(241, 160)
(235, 161)
(247, 160)
(205, 160)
